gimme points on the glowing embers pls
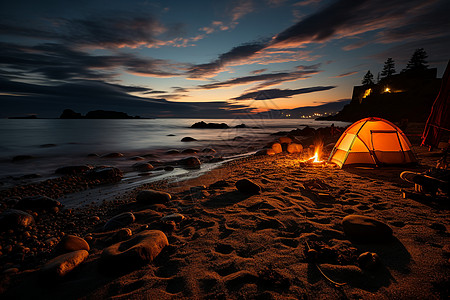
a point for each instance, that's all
(387, 90)
(315, 160)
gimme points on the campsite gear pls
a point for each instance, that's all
(372, 141)
(426, 183)
(439, 119)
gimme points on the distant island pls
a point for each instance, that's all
(96, 114)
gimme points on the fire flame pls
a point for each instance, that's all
(316, 158)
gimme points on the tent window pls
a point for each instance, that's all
(385, 141)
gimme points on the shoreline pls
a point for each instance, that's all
(227, 242)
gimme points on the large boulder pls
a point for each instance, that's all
(294, 148)
(150, 197)
(188, 139)
(366, 229)
(63, 264)
(202, 124)
(70, 243)
(37, 203)
(119, 221)
(246, 186)
(142, 167)
(137, 251)
(13, 219)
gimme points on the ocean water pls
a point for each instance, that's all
(57, 142)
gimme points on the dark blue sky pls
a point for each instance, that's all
(211, 58)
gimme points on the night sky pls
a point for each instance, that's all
(205, 58)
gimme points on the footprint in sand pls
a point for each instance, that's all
(224, 248)
(380, 206)
(176, 285)
(362, 207)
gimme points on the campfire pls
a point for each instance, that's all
(315, 160)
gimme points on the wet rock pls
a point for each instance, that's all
(142, 167)
(168, 168)
(294, 148)
(105, 173)
(368, 261)
(136, 158)
(149, 197)
(37, 203)
(241, 126)
(65, 263)
(190, 162)
(246, 186)
(14, 219)
(208, 150)
(202, 124)
(70, 243)
(139, 250)
(172, 152)
(189, 151)
(366, 229)
(176, 217)
(147, 216)
(119, 221)
(112, 155)
(188, 139)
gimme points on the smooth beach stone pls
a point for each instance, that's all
(119, 221)
(294, 148)
(63, 264)
(137, 158)
(37, 202)
(112, 155)
(246, 186)
(172, 152)
(285, 140)
(142, 167)
(13, 219)
(176, 217)
(276, 147)
(105, 173)
(265, 152)
(139, 250)
(147, 216)
(188, 139)
(190, 162)
(168, 168)
(366, 229)
(70, 170)
(189, 151)
(70, 243)
(152, 197)
(368, 261)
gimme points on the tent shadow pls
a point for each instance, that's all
(226, 199)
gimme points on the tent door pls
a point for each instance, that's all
(386, 147)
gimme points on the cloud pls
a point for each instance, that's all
(279, 93)
(265, 79)
(306, 2)
(59, 62)
(345, 74)
(259, 71)
(240, 9)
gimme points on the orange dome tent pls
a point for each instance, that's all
(372, 141)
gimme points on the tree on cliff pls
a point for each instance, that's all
(418, 61)
(368, 79)
(388, 68)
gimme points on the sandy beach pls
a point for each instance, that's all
(284, 242)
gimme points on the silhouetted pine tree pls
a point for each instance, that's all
(417, 61)
(368, 79)
(388, 68)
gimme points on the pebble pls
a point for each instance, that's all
(119, 221)
(176, 217)
(65, 263)
(71, 243)
(148, 197)
(368, 260)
